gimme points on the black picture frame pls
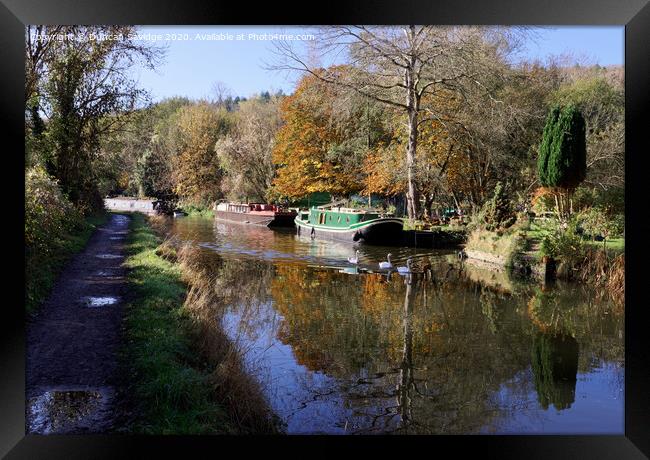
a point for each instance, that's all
(633, 14)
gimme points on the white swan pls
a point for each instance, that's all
(355, 259)
(407, 269)
(386, 265)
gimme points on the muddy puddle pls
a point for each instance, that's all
(58, 411)
(94, 302)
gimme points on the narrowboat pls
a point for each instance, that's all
(350, 225)
(269, 215)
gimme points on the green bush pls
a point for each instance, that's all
(562, 152)
(48, 213)
(496, 214)
(563, 243)
(54, 230)
(611, 201)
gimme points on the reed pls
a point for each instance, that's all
(605, 272)
(187, 377)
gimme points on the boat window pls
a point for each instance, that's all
(339, 219)
(322, 218)
(347, 219)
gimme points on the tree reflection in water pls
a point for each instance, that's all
(555, 366)
(354, 352)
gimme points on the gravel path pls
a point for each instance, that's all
(72, 381)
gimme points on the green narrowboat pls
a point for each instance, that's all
(350, 225)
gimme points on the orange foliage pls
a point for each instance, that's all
(303, 143)
(381, 167)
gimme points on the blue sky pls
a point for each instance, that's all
(199, 56)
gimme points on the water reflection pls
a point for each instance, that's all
(346, 349)
(555, 367)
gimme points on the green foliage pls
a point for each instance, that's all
(197, 174)
(562, 160)
(170, 385)
(54, 230)
(600, 101)
(196, 211)
(48, 214)
(611, 201)
(563, 243)
(555, 367)
(245, 152)
(497, 212)
(596, 222)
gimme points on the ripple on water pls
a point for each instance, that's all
(109, 256)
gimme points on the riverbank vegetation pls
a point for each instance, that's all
(340, 133)
(54, 231)
(185, 376)
(427, 122)
(486, 122)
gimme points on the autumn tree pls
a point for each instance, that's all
(138, 158)
(327, 132)
(196, 170)
(399, 67)
(245, 153)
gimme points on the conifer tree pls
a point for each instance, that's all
(562, 162)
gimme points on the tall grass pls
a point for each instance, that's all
(236, 390)
(605, 272)
(187, 378)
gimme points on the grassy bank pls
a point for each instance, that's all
(43, 267)
(176, 387)
(576, 258)
(507, 244)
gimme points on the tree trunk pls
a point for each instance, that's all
(427, 204)
(412, 193)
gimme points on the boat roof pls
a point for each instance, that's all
(348, 210)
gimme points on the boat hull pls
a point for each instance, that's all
(384, 232)
(268, 220)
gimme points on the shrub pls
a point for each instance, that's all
(497, 213)
(596, 222)
(54, 229)
(563, 243)
(48, 213)
(507, 244)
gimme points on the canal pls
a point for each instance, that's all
(340, 349)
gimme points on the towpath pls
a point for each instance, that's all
(72, 378)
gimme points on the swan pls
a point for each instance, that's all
(407, 269)
(355, 259)
(387, 265)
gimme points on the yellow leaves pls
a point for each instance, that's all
(383, 169)
(302, 148)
